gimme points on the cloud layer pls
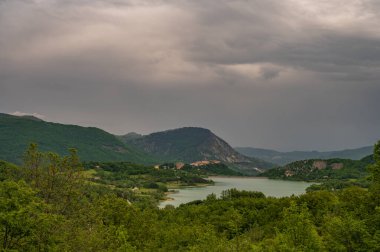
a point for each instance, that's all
(18, 113)
(286, 74)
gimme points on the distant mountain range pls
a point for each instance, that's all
(283, 158)
(187, 145)
(93, 144)
(191, 144)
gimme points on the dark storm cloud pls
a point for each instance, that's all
(281, 74)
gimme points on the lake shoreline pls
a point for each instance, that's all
(174, 190)
(271, 188)
(240, 177)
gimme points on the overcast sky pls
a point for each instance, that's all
(289, 74)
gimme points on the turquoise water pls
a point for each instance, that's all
(275, 188)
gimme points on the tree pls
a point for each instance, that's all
(56, 179)
(9, 171)
(346, 234)
(374, 220)
(32, 165)
(23, 222)
(375, 174)
(298, 231)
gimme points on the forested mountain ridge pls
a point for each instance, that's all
(282, 158)
(190, 144)
(93, 144)
(17, 132)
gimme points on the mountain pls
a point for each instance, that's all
(131, 136)
(192, 144)
(17, 132)
(282, 158)
(93, 144)
(322, 169)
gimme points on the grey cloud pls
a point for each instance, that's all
(269, 72)
(285, 38)
(281, 74)
(18, 113)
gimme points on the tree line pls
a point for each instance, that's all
(48, 204)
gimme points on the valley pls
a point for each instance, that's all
(136, 193)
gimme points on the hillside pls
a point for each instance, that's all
(94, 144)
(192, 144)
(322, 169)
(282, 158)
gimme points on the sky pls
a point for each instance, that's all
(286, 75)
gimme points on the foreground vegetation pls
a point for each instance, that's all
(51, 204)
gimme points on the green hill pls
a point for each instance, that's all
(94, 144)
(322, 169)
(192, 144)
(282, 158)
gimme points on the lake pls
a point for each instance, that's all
(275, 188)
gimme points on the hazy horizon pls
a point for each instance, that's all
(284, 75)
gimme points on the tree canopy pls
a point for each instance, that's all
(51, 203)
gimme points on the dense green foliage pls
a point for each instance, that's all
(336, 184)
(192, 144)
(92, 143)
(99, 218)
(8, 170)
(283, 158)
